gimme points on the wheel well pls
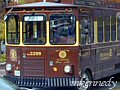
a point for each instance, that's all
(89, 71)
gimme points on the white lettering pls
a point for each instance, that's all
(85, 84)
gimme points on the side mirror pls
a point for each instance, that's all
(5, 17)
(118, 15)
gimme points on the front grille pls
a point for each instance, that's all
(34, 67)
(42, 82)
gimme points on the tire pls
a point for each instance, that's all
(86, 85)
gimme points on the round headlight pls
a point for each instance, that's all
(67, 69)
(8, 67)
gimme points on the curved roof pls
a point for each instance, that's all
(44, 4)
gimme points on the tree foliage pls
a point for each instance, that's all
(3, 58)
(21, 1)
(2, 30)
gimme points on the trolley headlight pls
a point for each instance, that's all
(67, 69)
(8, 67)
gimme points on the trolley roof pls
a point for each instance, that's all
(49, 5)
(42, 4)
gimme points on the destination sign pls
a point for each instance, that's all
(33, 18)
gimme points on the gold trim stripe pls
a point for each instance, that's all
(21, 34)
(77, 33)
(95, 32)
(104, 37)
(110, 28)
(5, 34)
(48, 34)
(116, 29)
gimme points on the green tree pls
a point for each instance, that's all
(2, 32)
(21, 1)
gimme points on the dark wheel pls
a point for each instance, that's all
(85, 81)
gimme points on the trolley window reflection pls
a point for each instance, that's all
(34, 29)
(13, 33)
(86, 32)
(62, 29)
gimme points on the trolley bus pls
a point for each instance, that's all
(51, 44)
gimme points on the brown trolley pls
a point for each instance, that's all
(51, 44)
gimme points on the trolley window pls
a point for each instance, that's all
(100, 29)
(12, 26)
(86, 30)
(107, 28)
(118, 25)
(62, 29)
(34, 29)
(113, 28)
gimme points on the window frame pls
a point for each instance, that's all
(50, 29)
(17, 28)
(107, 28)
(113, 16)
(44, 21)
(89, 37)
(98, 38)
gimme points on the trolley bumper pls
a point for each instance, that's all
(39, 82)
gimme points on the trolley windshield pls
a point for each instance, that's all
(34, 29)
(12, 29)
(62, 29)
